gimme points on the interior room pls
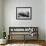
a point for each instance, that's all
(22, 23)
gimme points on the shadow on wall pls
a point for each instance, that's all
(1, 34)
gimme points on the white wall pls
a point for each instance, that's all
(38, 15)
(45, 19)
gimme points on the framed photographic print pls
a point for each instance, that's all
(23, 13)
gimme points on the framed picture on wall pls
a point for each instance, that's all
(23, 13)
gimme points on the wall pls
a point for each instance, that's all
(0, 18)
(38, 15)
(45, 19)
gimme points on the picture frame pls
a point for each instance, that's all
(23, 13)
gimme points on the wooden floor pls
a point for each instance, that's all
(40, 42)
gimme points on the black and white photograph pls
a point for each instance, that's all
(23, 13)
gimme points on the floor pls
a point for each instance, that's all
(21, 45)
(25, 43)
